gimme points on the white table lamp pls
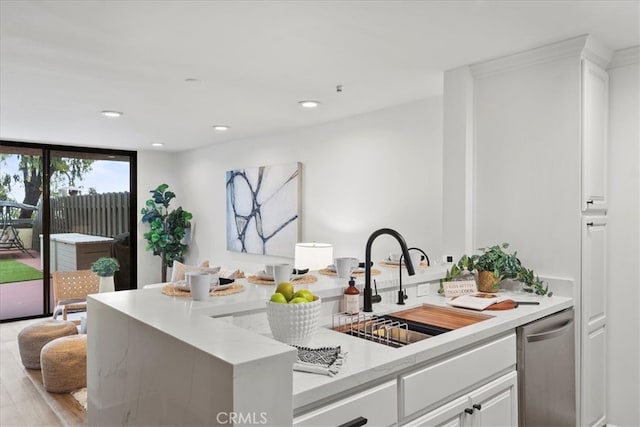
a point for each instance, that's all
(313, 256)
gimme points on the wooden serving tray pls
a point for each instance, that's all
(444, 317)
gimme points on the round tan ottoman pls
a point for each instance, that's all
(32, 338)
(64, 364)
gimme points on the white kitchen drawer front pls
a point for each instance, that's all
(379, 406)
(453, 375)
(450, 415)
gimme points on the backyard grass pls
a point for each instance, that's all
(14, 271)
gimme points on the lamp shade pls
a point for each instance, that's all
(313, 256)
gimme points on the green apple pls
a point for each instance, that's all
(298, 300)
(304, 293)
(286, 289)
(279, 298)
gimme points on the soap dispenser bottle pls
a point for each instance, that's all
(352, 298)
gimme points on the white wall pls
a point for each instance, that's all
(154, 168)
(624, 246)
(382, 169)
(527, 164)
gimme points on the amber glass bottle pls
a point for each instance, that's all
(352, 298)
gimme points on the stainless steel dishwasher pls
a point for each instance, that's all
(546, 372)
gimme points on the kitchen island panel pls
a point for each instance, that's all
(140, 375)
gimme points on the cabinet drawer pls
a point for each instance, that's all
(453, 375)
(378, 405)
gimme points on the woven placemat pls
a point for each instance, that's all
(304, 280)
(172, 291)
(327, 272)
(386, 263)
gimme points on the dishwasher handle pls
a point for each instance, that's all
(547, 335)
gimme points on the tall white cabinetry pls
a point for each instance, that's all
(594, 320)
(594, 287)
(595, 111)
(537, 143)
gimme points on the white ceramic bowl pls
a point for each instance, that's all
(293, 323)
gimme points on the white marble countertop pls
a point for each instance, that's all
(234, 328)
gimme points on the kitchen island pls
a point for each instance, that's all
(160, 360)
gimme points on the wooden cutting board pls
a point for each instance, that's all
(503, 305)
(444, 317)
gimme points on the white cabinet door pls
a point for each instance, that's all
(455, 374)
(595, 101)
(594, 272)
(594, 408)
(594, 320)
(496, 404)
(451, 414)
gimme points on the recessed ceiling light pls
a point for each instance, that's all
(309, 103)
(221, 128)
(111, 113)
(157, 144)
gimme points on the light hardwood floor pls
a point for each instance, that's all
(23, 400)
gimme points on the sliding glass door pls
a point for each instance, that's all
(21, 270)
(71, 206)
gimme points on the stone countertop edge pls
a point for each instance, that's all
(194, 323)
(373, 362)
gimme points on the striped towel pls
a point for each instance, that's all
(324, 360)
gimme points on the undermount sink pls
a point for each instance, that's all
(405, 327)
(380, 329)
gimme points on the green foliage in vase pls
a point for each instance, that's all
(493, 258)
(167, 228)
(105, 266)
(502, 264)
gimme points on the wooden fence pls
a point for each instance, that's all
(95, 214)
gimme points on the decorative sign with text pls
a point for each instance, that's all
(460, 287)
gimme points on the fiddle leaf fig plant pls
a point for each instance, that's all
(167, 228)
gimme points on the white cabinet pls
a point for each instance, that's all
(473, 387)
(546, 106)
(455, 374)
(377, 406)
(595, 101)
(460, 389)
(494, 404)
(594, 320)
(451, 414)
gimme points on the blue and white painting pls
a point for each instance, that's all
(263, 209)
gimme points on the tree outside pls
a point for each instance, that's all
(26, 171)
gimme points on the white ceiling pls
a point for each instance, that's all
(62, 62)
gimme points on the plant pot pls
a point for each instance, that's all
(487, 282)
(107, 284)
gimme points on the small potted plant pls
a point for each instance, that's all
(494, 265)
(106, 267)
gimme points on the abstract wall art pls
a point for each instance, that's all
(263, 209)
